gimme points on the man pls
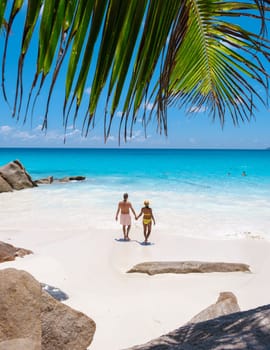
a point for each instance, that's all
(125, 219)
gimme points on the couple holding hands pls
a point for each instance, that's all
(125, 220)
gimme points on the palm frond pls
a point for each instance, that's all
(186, 53)
(215, 65)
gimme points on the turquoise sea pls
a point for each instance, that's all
(196, 192)
(166, 167)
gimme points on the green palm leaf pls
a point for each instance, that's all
(215, 63)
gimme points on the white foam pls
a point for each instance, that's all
(198, 214)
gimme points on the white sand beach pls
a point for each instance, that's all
(90, 265)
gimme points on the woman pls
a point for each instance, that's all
(148, 217)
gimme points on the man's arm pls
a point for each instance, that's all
(118, 209)
(133, 211)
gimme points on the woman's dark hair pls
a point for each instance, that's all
(125, 195)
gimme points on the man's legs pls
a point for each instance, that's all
(124, 231)
(128, 229)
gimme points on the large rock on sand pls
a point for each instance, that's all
(20, 315)
(30, 316)
(9, 253)
(157, 267)
(64, 328)
(238, 331)
(20, 344)
(16, 176)
(225, 305)
(4, 185)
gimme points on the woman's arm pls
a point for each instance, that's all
(152, 215)
(139, 215)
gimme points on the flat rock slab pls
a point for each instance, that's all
(158, 267)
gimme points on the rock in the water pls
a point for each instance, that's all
(8, 252)
(77, 178)
(31, 316)
(157, 267)
(13, 176)
(16, 176)
(238, 331)
(225, 305)
(56, 293)
(44, 181)
(72, 178)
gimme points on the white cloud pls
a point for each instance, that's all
(192, 140)
(111, 138)
(95, 138)
(24, 135)
(37, 135)
(74, 132)
(138, 136)
(38, 128)
(5, 129)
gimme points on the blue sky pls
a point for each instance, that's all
(196, 130)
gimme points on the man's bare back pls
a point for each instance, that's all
(124, 207)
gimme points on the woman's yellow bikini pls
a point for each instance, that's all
(147, 219)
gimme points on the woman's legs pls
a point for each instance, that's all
(147, 231)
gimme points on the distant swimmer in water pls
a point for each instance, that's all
(244, 173)
(148, 217)
(125, 220)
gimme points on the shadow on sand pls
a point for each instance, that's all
(133, 240)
